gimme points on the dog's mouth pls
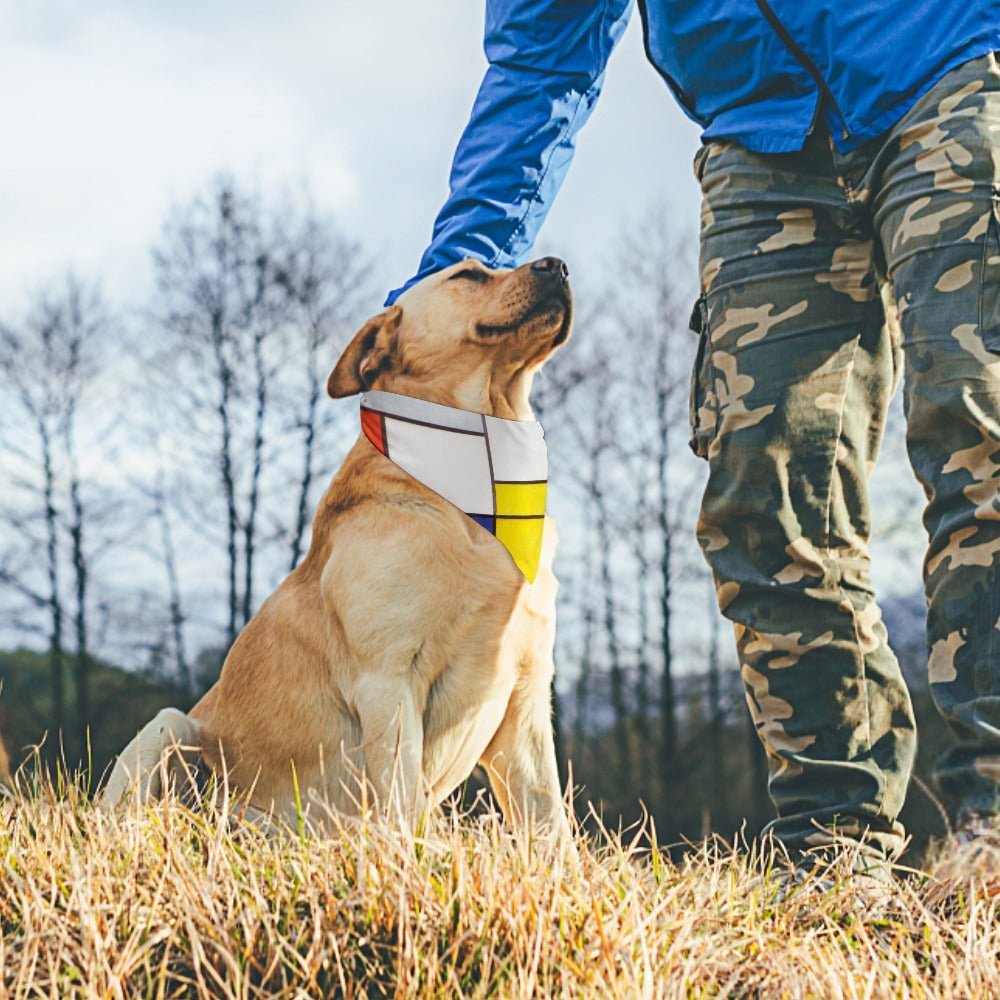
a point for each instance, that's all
(567, 322)
(551, 306)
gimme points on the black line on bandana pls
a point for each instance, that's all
(385, 437)
(520, 482)
(427, 423)
(489, 458)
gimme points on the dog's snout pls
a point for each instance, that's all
(552, 267)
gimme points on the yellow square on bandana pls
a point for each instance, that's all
(525, 499)
(522, 537)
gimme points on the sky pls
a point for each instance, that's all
(116, 109)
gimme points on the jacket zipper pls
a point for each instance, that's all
(782, 32)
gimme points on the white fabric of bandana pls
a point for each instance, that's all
(495, 470)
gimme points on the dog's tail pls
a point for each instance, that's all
(5, 779)
(165, 750)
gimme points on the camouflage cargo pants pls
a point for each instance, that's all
(795, 371)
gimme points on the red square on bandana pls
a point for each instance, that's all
(371, 424)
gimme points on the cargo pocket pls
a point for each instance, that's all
(701, 411)
(989, 292)
(698, 164)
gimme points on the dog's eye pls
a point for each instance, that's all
(471, 274)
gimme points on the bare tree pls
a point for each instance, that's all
(83, 321)
(214, 273)
(599, 489)
(565, 389)
(253, 297)
(651, 303)
(585, 666)
(715, 707)
(645, 584)
(28, 361)
(328, 279)
(168, 551)
(49, 364)
(623, 421)
(591, 429)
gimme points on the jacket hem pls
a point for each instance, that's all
(885, 121)
(792, 140)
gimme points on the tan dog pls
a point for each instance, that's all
(406, 647)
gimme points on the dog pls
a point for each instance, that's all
(406, 647)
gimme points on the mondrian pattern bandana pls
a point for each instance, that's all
(493, 469)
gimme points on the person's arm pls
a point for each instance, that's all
(546, 67)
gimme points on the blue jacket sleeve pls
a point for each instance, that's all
(546, 67)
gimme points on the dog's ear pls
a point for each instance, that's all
(368, 354)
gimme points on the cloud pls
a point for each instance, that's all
(116, 109)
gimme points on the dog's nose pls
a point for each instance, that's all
(552, 266)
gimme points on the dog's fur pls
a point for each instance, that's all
(4, 765)
(406, 647)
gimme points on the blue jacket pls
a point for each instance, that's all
(760, 72)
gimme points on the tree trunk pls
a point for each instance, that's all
(173, 583)
(668, 708)
(619, 702)
(717, 780)
(229, 492)
(250, 527)
(308, 446)
(58, 707)
(645, 741)
(583, 680)
(81, 661)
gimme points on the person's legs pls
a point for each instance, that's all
(937, 211)
(789, 405)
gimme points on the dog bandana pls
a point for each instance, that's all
(493, 469)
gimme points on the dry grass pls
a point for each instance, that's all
(169, 901)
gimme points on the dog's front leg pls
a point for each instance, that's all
(521, 762)
(392, 732)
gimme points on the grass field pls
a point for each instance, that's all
(167, 901)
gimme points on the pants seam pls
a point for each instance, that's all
(828, 551)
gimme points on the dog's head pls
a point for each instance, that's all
(468, 336)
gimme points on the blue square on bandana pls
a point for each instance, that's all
(488, 521)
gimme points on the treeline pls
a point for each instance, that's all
(160, 462)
